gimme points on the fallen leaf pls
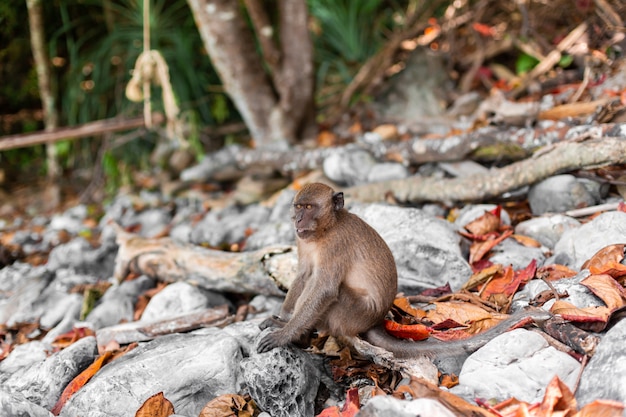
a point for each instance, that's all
(529, 242)
(229, 405)
(557, 397)
(487, 223)
(80, 380)
(479, 249)
(612, 253)
(350, 408)
(604, 408)
(482, 276)
(570, 312)
(555, 272)
(156, 406)
(407, 331)
(403, 304)
(607, 289)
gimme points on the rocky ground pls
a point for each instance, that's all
(63, 312)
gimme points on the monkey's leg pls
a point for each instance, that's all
(307, 313)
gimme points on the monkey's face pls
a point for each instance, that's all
(313, 209)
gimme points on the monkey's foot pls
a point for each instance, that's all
(273, 321)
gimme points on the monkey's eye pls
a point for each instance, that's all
(298, 206)
(308, 206)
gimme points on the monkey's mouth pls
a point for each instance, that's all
(302, 232)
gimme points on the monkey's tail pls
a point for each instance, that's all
(436, 348)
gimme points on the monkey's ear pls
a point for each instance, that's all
(338, 200)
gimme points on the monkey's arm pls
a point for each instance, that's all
(449, 356)
(315, 299)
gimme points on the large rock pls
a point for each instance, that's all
(558, 194)
(283, 381)
(604, 376)
(426, 249)
(517, 364)
(578, 245)
(43, 384)
(189, 369)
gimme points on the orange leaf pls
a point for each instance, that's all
(350, 408)
(479, 249)
(80, 380)
(407, 331)
(604, 408)
(529, 242)
(403, 304)
(612, 253)
(484, 224)
(156, 406)
(585, 315)
(607, 289)
(483, 29)
(557, 397)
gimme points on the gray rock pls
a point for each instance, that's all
(271, 234)
(79, 255)
(153, 221)
(349, 166)
(604, 376)
(70, 316)
(15, 404)
(510, 252)
(578, 245)
(283, 382)
(229, 225)
(558, 194)
(519, 364)
(23, 304)
(189, 369)
(72, 220)
(386, 406)
(548, 229)
(118, 303)
(387, 171)
(23, 357)
(180, 298)
(426, 249)
(472, 212)
(578, 294)
(44, 384)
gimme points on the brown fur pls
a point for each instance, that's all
(347, 277)
(347, 282)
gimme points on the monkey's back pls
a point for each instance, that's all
(371, 280)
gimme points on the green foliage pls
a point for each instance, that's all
(346, 34)
(525, 63)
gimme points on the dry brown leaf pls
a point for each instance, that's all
(156, 406)
(229, 405)
(607, 289)
(484, 224)
(529, 242)
(604, 408)
(482, 276)
(612, 253)
(572, 313)
(555, 272)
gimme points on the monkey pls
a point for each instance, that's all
(347, 281)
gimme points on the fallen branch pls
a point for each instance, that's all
(258, 272)
(562, 157)
(88, 129)
(413, 152)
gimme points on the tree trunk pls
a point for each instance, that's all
(274, 104)
(44, 79)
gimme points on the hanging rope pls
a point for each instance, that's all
(151, 68)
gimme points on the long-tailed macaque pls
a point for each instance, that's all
(347, 281)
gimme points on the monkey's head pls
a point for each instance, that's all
(315, 209)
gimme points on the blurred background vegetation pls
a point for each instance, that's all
(93, 46)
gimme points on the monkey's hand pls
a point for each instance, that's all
(273, 321)
(270, 341)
